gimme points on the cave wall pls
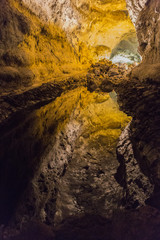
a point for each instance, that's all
(141, 99)
(32, 52)
(138, 96)
(135, 7)
(145, 16)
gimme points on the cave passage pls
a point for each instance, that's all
(79, 120)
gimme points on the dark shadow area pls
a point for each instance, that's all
(141, 224)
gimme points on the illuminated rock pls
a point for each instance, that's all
(135, 7)
(94, 25)
(31, 52)
(126, 51)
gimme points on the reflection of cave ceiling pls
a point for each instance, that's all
(97, 24)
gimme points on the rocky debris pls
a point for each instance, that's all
(104, 76)
(136, 185)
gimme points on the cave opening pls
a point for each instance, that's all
(79, 123)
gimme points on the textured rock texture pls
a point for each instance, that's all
(91, 26)
(138, 96)
(58, 161)
(142, 103)
(75, 173)
(31, 51)
(135, 7)
(148, 32)
(136, 185)
(145, 15)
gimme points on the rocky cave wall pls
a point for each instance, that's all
(142, 97)
(63, 154)
(138, 95)
(31, 51)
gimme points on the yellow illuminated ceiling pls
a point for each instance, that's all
(89, 24)
(61, 39)
(101, 23)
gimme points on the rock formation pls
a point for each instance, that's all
(135, 7)
(31, 51)
(79, 139)
(91, 26)
(145, 82)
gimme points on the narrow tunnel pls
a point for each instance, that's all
(79, 121)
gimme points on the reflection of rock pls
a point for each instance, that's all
(71, 158)
(136, 185)
(142, 102)
(58, 161)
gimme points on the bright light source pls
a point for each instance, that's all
(121, 59)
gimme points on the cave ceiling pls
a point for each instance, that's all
(94, 25)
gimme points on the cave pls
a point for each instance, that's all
(80, 120)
